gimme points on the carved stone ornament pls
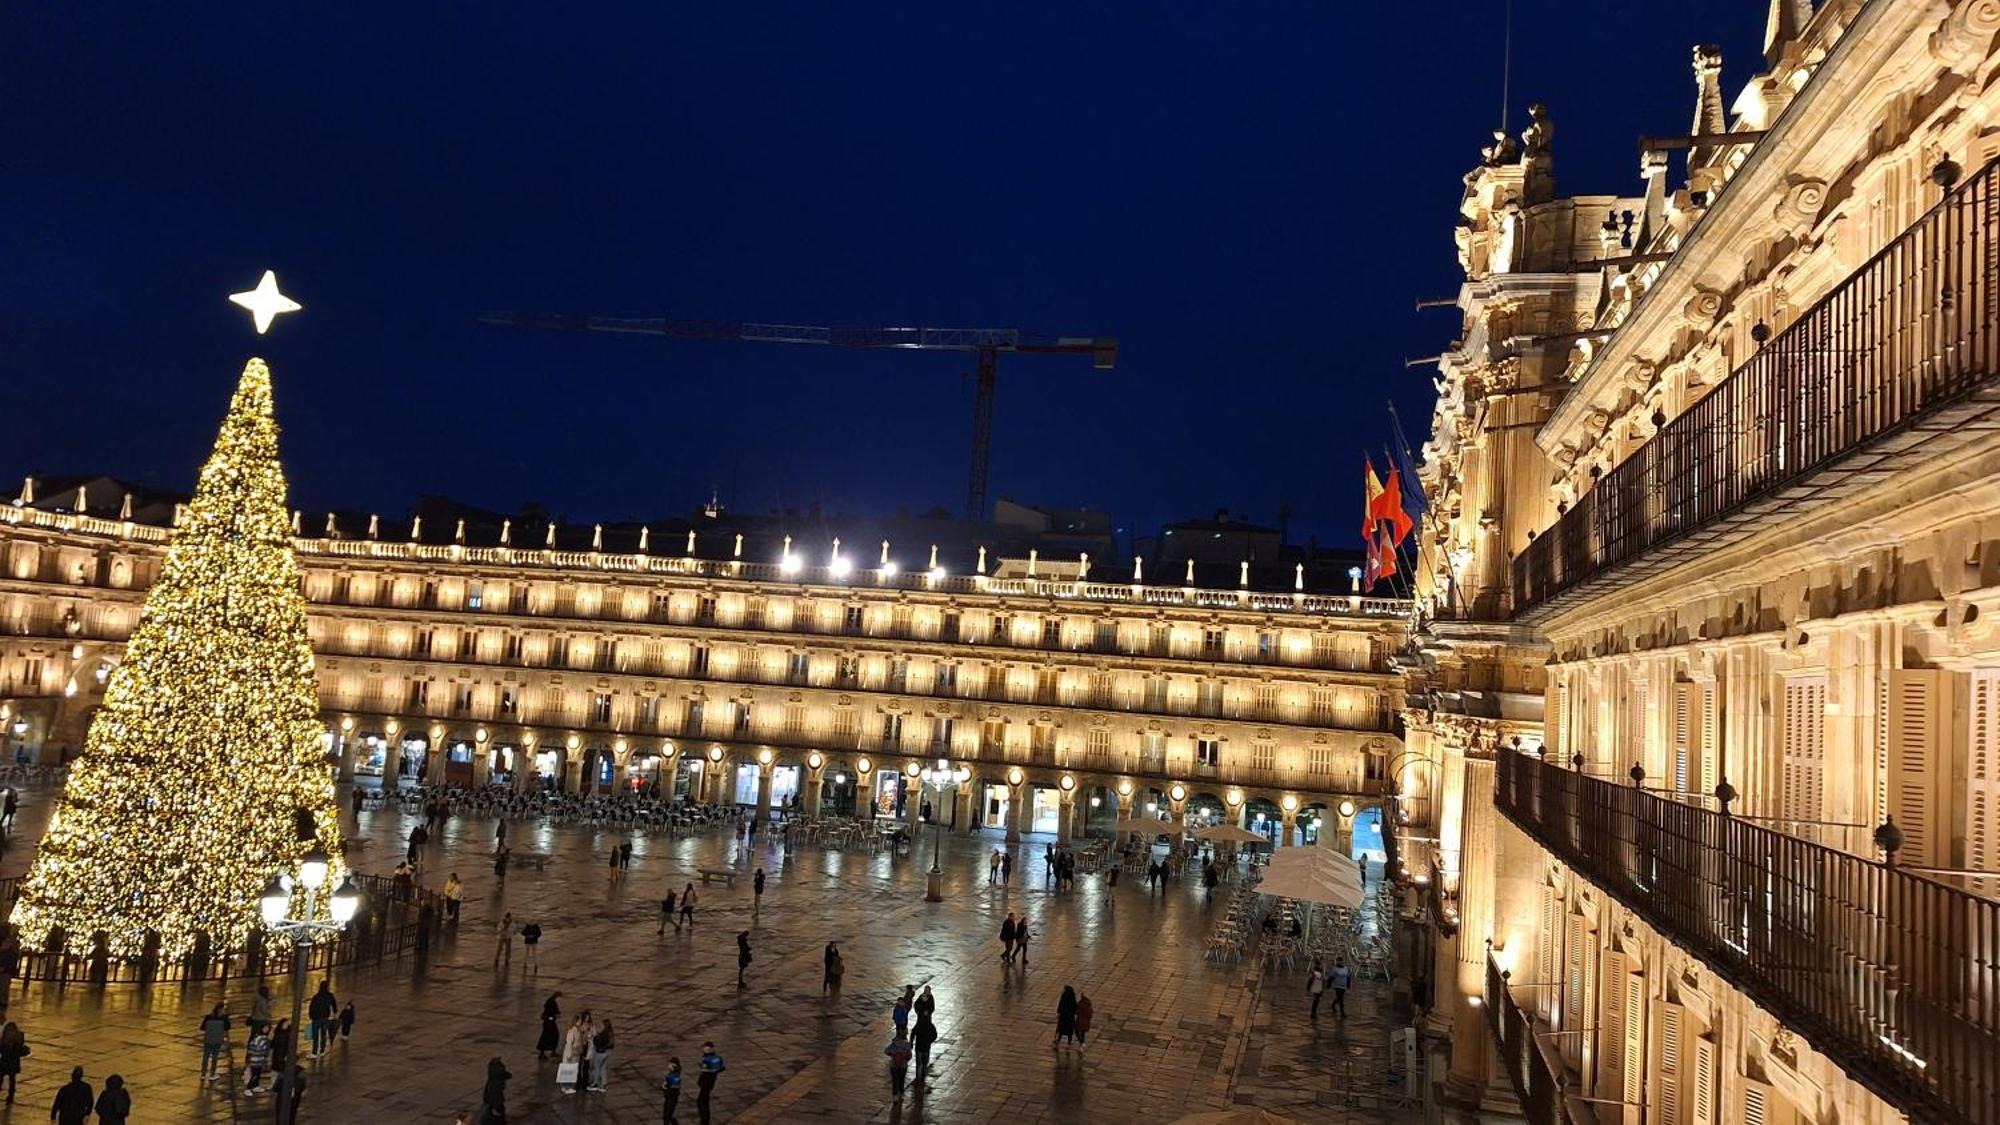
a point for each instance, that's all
(1960, 41)
(1800, 205)
(1702, 309)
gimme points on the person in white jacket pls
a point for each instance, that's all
(576, 1044)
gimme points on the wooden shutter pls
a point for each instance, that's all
(1555, 723)
(1702, 1096)
(1919, 759)
(1685, 719)
(1881, 749)
(1548, 941)
(1573, 974)
(1671, 1063)
(1639, 731)
(1982, 777)
(1761, 1104)
(1635, 1038)
(1611, 1032)
(1804, 748)
(1708, 736)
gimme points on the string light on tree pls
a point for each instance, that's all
(203, 771)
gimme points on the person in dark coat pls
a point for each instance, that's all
(670, 1091)
(551, 1027)
(921, 1039)
(742, 957)
(494, 1097)
(1065, 1017)
(826, 982)
(74, 1102)
(114, 1105)
(13, 1048)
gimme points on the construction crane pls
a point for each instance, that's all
(984, 343)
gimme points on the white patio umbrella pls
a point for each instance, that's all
(1319, 863)
(1230, 834)
(1301, 886)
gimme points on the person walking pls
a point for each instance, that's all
(667, 914)
(74, 1102)
(614, 868)
(921, 1040)
(13, 1048)
(1021, 940)
(1009, 930)
(831, 978)
(900, 1013)
(551, 1037)
(712, 1067)
(1065, 1017)
(454, 893)
(670, 1093)
(1341, 978)
(993, 866)
(925, 1004)
(284, 1044)
(260, 1009)
(493, 1099)
(322, 1009)
(687, 906)
(500, 863)
(347, 1020)
(1006, 867)
(531, 940)
(756, 892)
(1316, 986)
(600, 1057)
(1084, 1011)
(625, 856)
(214, 1037)
(257, 1059)
(742, 956)
(114, 1105)
(503, 940)
(899, 1052)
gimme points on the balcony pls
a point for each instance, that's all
(1902, 353)
(1893, 976)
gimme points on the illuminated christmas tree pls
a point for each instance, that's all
(209, 742)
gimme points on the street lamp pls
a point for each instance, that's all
(276, 902)
(938, 777)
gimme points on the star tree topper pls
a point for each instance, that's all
(265, 302)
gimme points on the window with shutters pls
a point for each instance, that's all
(698, 661)
(1669, 1055)
(1003, 630)
(1572, 977)
(462, 702)
(1635, 1038)
(1153, 752)
(1100, 689)
(1264, 754)
(1207, 752)
(993, 737)
(1106, 637)
(743, 717)
(420, 694)
(1683, 760)
(1701, 1096)
(422, 646)
(1918, 757)
(1322, 706)
(795, 718)
(1803, 741)
(1326, 650)
(1612, 1057)
(1156, 693)
(845, 724)
(607, 656)
(1982, 780)
(513, 648)
(1267, 701)
(1639, 725)
(649, 710)
(1052, 632)
(600, 708)
(1319, 761)
(1211, 643)
(1548, 955)
(892, 730)
(1098, 746)
(1209, 700)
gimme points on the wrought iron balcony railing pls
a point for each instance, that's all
(1892, 975)
(1913, 330)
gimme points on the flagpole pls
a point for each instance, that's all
(1430, 510)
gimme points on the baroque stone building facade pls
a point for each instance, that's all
(827, 686)
(1703, 764)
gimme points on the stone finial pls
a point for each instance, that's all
(933, 565)
(1138, 569)
(884, 561)
(1034, 557)
(1083, 565)
(1188, 578)
(458, 533)
(332, 529)
(1709, 118)
(549, 540)
(374, 526)
(1243, 573)
(597, 537)
(981, 567)
(738, 553)
(1299, 576)
(506, 532)
(1652, 220)
(125, 508)
(27, 496)
(645, 538)
(83, 503)
(416, 528)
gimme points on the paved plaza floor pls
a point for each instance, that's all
(1173, 1034)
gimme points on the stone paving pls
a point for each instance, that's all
(1173, 1034)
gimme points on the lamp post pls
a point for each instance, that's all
(276, 903)
(937, 778)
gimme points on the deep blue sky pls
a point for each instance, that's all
(1250, 196)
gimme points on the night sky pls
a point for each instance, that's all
(1250, 196)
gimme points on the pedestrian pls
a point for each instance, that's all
(1341, 978)
(454, 891)
(712, 1067)
(667, 914)
(600, 1056)
(925, 1004)
(687, 905)
(322, 1009)
(214, 1037)
(1021, 940)
(826, 982)
(1006, 867)
(756, 892)
(576, 1045)
(551, 1036)
(625, 855)
(13, 1048)
(503, 940)
(499, 834)
(1209, 878)
(74, 1102)
(1316, 985)
(921, 1039)
(260, 1009)
(500, 863)
(613, 876)
(900, 1014)
(1084, 1011)
(670, 1093)
(10, 966)
(531, 938)
(899, 1053)
(114, 1105)
(1065, 1017)
(297, 1078)
(742, 956)
(493, 1099)
(284, 1040)
(1009, 930)
(347, 1020)
(8, 809)
(993, 866)
(257, 1058)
